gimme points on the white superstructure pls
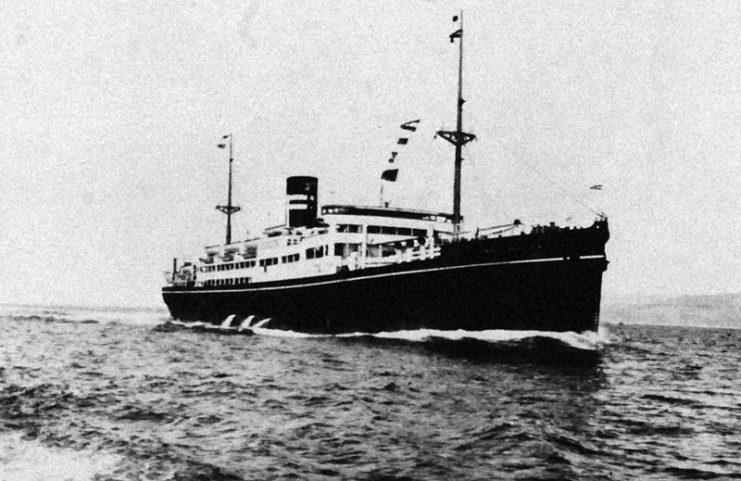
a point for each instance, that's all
(343, 238)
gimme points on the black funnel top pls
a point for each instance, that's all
(302, 200)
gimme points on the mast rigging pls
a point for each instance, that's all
(458, 137)
(229, 208)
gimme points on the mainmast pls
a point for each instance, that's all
(458, 137)
(229, 209)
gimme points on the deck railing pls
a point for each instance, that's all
(410, 254)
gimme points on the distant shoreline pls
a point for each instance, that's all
(711, 311)
(56, 305)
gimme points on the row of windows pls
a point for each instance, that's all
(385, 250)
(351, 228)
(268, 262)
(321, 251)
(317, 252)
(237, 281)
(377, 229)
(291, 258)
(380, 212)
(249, 264)
(251, 251)
(340, 249)
(228, 267)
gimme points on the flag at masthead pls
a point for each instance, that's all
(228, 209)
(458, 137)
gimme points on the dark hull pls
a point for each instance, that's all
(550, 281)
(557, 295)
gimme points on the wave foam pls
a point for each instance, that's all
(23, 460)
(584, 341)
(264, 331)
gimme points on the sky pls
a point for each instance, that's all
(111, 112)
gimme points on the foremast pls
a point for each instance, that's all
(458, 137)
(229, 208)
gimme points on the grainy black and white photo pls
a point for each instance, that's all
(370, 240)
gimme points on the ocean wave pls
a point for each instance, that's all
(30, 460)
(198, 326)
(584, 341)
(587, 341)
(83, 315)
(190, 406)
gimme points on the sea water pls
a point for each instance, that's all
(126, 394)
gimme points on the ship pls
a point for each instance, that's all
(344, 268)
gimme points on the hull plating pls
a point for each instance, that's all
(538, 294)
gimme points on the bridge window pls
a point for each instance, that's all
(268, 262)
(345, 250)
(348, 228)
(316, 253)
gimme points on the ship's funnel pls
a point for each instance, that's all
(302, 200)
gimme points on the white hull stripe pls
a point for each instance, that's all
(389, 274)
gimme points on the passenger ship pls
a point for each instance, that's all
(349, 268)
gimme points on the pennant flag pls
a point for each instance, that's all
(390, 175)
(458, 33)
(221, 146)
(409, 125)
(596, 187)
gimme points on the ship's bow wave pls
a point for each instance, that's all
(497, 345)
(559, 348)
